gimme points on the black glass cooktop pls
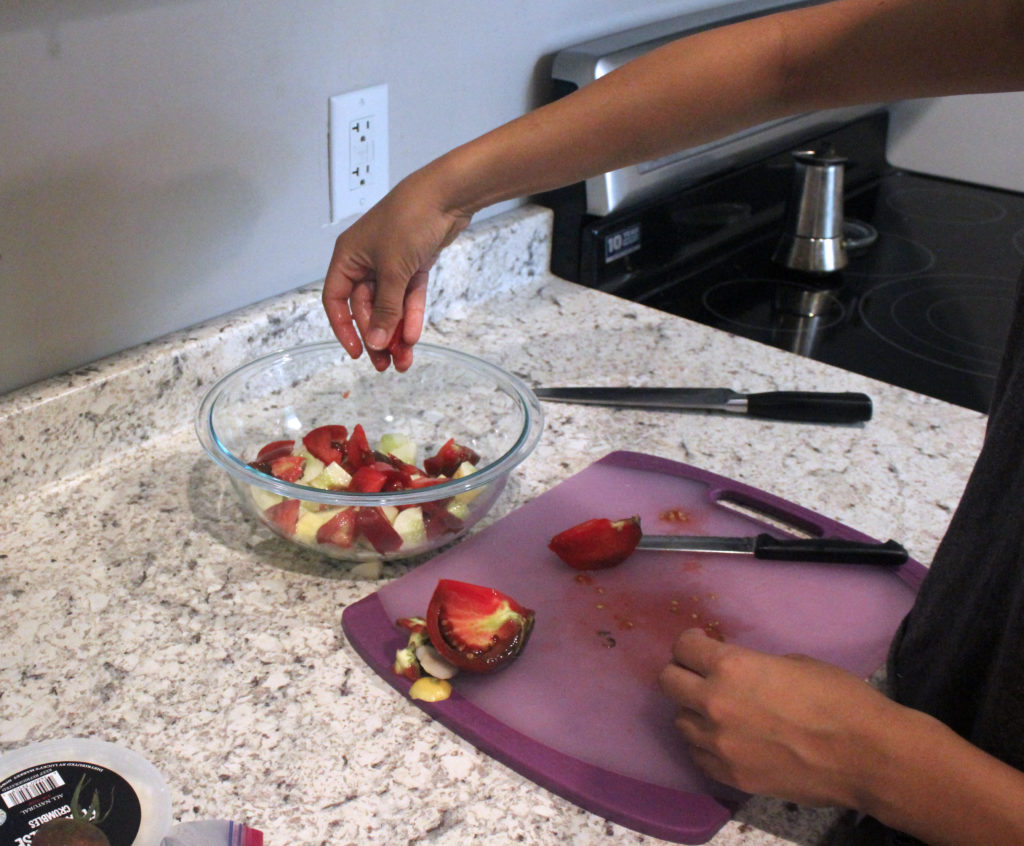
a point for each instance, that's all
(927, 306)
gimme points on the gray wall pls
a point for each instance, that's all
(165, 161)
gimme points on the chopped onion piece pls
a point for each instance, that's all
(433, 663)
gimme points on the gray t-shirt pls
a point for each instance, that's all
(959, 655)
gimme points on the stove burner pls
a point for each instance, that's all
(958, 322)
(891, 255)
(945, 204)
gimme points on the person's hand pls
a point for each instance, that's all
(376, 284)
(786, 726)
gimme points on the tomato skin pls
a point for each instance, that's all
(275, 449)
(327, 443)
(368, 479)
(478, 629)
(357, 450)
(270, 453)
(401, 474)
(340, 530)
(374, 525)
(413, 625)
(448, 458)
(284, 516)
(597, 544)
(289, 468)
(439, 520)
(417, 482)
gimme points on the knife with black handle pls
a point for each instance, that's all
(768, 548)
(798, 406)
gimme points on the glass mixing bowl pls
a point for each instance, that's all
(407, 419)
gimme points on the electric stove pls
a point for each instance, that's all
(924, 302)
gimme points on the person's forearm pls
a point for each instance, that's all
(717, 82)
(933, 784)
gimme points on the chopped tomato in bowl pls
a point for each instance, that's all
(356, 464)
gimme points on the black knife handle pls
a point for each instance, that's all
(810, 407)
(829, 551)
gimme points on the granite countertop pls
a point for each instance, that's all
(140, 609)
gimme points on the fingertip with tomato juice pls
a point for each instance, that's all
(397, 352)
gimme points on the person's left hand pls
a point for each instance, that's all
(786, 726)
(375, 289)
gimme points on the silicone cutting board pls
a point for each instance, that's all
(579, 712)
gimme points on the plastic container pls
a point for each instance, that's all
(114, 788)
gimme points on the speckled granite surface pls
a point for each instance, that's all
(140, 608)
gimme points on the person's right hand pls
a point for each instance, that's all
(786, 726)
(377, 278)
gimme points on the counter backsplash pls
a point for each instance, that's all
(60, 426)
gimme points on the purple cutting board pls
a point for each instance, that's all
(579, 712)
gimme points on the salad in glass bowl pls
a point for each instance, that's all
(357, 464)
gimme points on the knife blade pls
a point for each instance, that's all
(799, 406)
(768, 548)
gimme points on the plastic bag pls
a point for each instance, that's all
(213, 833)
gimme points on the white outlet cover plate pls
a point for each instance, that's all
(357, 130)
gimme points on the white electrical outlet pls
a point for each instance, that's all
(357, 150)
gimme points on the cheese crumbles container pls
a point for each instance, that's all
(105, 785)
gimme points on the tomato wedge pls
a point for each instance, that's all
(275, 449)
(449, 457)
(340, 530)
(374, 525)
(284, 515)
(439, 520)
(368, 479)
(597, 544)
(270, 453)
(476, 628)
(327, 443)
(357, 450)
(288, 467)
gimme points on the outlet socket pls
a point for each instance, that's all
(357, 150)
